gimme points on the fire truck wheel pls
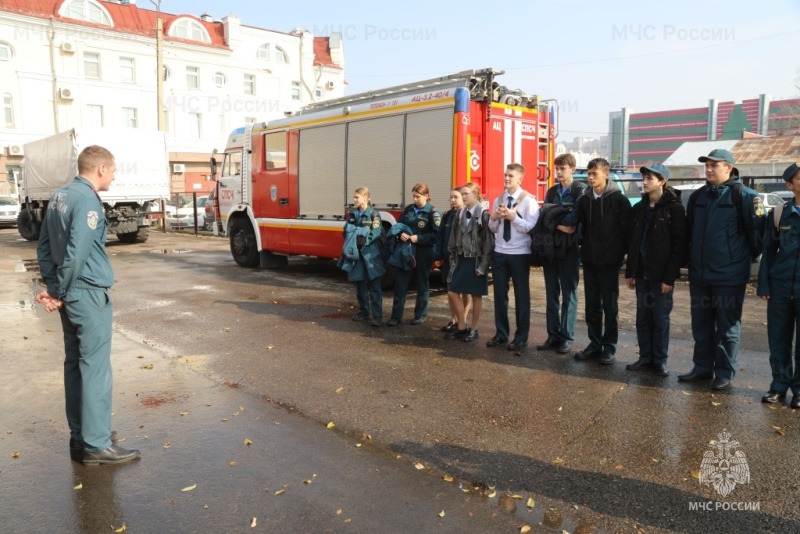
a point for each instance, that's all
(243, 244)
(27, 226)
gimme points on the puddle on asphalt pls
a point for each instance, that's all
(339, 315)
(169, 251)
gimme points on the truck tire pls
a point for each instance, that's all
(243, 243)
(27, 226)
(139, 236)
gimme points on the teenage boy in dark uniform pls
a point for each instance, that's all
(779, 285)
(77, 271)
(725, 222)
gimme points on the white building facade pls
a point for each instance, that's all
(90, 63)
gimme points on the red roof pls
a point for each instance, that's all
(127, 19)
(322, 52)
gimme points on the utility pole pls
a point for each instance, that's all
(162, 127)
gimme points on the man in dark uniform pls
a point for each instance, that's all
(725, 222)
(78, 274)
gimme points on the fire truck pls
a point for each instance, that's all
(285, 185)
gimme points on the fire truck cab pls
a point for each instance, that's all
(285, 185)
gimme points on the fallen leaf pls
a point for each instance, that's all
(780, 432)
(716, 403)
(189, 488)
(530, 502)
(227, 329)
(225, 420)
(686, 393)
(447, 478)
(166, 445)
(331, 425)
(121, 529)
(441, 514)
(232, 464)
(339, 511)
(558, 461)
(307, 482)
(618, 466)
(419, 466)
(348, 519)
(15, 454)
(358, 444)
(279, 492)
(493, 494)
(524, 529)
(140, 357)
(695, 474)
(79, 486)
(270, 347)
(517, 497)
(560, 408)
(148, 366)
(339, 390)
(253, 523)
(248, 442)
(205, 507)
(184, 413)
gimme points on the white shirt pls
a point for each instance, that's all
(527, 215)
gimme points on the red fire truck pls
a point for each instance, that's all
(285, 185)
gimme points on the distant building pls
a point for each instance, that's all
(643, 138)
(92, 63)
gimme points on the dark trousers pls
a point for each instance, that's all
(370, 298)
(86, 323)
(517, 269)
(421, 275)
(652, 320)
(601, 292)
(561, 282)
(716, 325)
(783, 324)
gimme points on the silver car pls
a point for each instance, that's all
(9, 211)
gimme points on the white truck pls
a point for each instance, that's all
(142, 177)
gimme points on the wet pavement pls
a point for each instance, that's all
(272, 357)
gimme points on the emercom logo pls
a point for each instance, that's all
(723, 467)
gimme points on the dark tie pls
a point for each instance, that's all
(469, 215)
(507, 224)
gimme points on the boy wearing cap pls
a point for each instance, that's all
(655, 255)
(779, 285)
(725, 224)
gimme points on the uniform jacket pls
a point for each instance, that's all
(666, 239)
(606, 227)
(779, 272)
(401, 253)
(547, 243)
(361, 254)
(425, 224)
(482, 243)
(72, 244)
(443, 237)
(721, 247)
(553, 196)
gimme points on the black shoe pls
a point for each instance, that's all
(112, 455)
(471, 335)
(693, 376)
(564, 347)
(549, 344)
(661, 369)
(452, 325)
(720, 384)
(496, 340)
(795, 401)
(418, 320)
(360, 316)
(393, 322)
(377, 322)
(455, 333)
(638, 364)
(517, 345)
(772, 396)
(76, 447)
(587, 354)
(606, 358)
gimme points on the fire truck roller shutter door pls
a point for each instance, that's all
(320, 176)
(429, 153)
(375, 158)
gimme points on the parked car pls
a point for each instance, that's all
(9, 211)
(183, 218)
(210, 209)
(770, 200)
(628, 183)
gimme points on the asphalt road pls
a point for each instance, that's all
(595, 448)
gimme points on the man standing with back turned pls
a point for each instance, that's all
(78, 274)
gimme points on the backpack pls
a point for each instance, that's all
(736, 196)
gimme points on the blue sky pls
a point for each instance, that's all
(594, 56)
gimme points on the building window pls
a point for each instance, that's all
(127, 70)
(195, 126)
(5, 52)
(8, 110)
(91, 65)
(87, 10)
(280, 55)
(263, 52)
(249, 84)
(220, 80)
(189, 29)
(318, 93)
(295, 90)
(192, 78)
(130, 118)
(94, 116)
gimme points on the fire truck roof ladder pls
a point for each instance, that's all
(470, 78)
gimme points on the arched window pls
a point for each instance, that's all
(186, 28)
(280, 55)
(6, 52)
(87, 10)
(263, 52)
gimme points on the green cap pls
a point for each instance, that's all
(656, 168)
(718, 154)
(791, 170)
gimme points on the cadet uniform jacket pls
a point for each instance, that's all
(423, 224)
(779, 272)
(72, 244)
(362, 255)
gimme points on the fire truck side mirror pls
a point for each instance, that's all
(213, 168)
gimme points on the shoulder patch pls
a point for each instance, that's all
(437, 219)
(91, 219)
(376, 223)
(758, 207)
